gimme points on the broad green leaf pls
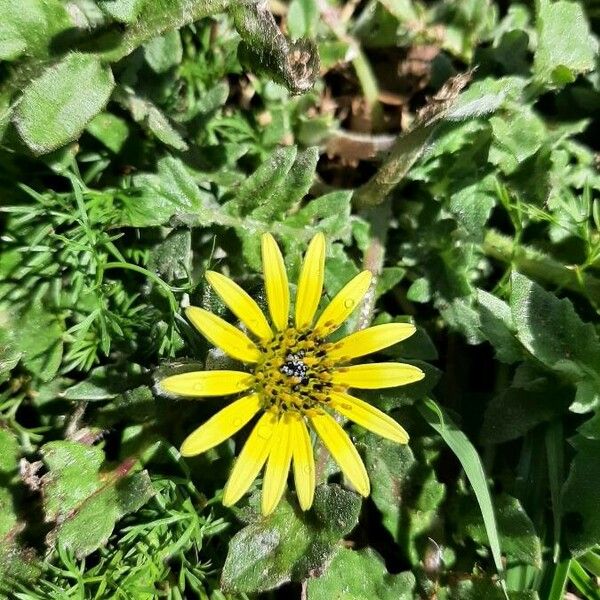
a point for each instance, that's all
(289, 545)
(9, 351)
(554, 333)
(485, 589)
(171, 193)
(30, 29)
(124, 11)
(109, 129)
(495, 323)
(517, 534)
(83, 501)
(516, 410)
(55, 108)
(151, 117)
(40, 341)
(405, 491)
(164, 52)
(106, 382)
(256, 191)
(472, 206)
(171, 259)
(358, 575)
(9, 466)
(517, 137)
(565, 45)
(302, 18)
(471, 463)
(294, 186)
(581, 497)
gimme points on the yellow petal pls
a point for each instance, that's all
(221, 426)
(240, 304)
(278, 466)
(223, 334)
(207, 383)
(377, 375)
(276, 282)
(251, 459)
(304, 464)
(370, 340)
(342, 449)
(344, 303)
(310, 284)
(369, 417)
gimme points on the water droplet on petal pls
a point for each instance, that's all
(348, 303)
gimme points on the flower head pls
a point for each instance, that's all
(296, 378)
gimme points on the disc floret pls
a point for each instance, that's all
(295, 373)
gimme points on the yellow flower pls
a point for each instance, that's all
(298, 378)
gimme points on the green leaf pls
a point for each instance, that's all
(484, 588)
(519, 540)
(164, 52)
(517, 137)
(360, 575)
(497, 326)
(405, 491)
(565, 45)
(171, 193)
(124, 11)
(40, 341)
(152, 118)
(554, 333)
(302, 18)
(289, 545)
(109, 129)
(581, 497)
(30, 29)
(472, 206)
(9, 351)
(255, 192)
(471, 463)
(294, 186)
(83, 501)
(516, 410)
(171, 259)
(55, 108)
(106, 382)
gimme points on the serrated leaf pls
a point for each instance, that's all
(358, 575)
(55, 108)
(565, 45)
(84, 502)
(554, 333)
(288, 544)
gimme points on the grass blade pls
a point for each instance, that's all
(466, 453)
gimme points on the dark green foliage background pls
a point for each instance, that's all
(450, 147)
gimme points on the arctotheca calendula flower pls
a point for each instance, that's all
(296, 378)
